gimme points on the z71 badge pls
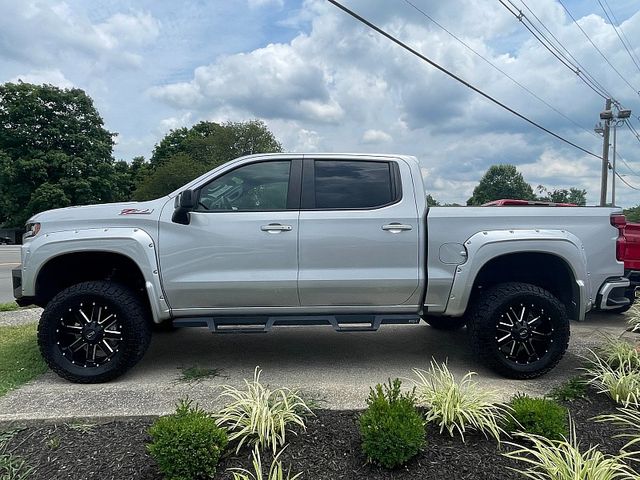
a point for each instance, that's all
(136, 211)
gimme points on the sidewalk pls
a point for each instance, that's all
(337, 368)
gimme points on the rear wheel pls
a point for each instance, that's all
(519, 330)
(93, 332)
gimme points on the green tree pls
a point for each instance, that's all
(501, 181)
(573, 195)
(633, 214)
(432, 202)
(185, 153)
(54, 151)
(170, 175)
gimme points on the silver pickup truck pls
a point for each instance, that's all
(314, 239)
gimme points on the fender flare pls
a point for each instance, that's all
(485, 246)
(133, 243)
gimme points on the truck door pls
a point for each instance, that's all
(240, 248)
(358, 233)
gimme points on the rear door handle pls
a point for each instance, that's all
(276, 228)
(396, 227)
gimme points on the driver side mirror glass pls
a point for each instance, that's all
(187, 199)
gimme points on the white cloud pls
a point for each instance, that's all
(52, 76)
(375, 136)
(322, 81)
(46, 34)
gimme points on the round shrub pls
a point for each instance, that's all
(187, 444)
(391, 427)
(538, 416)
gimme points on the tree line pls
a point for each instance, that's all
(56, 152)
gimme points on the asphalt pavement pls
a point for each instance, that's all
(335, 368)
(9, 259)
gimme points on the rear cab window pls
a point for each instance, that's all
(345, 184)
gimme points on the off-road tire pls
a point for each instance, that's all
(133, 325)
(446, 323)
(489, 309)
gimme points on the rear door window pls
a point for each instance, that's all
(342, 184)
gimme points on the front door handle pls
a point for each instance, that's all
(276, 228)
(396, 227)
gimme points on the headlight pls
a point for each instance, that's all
(32, 230)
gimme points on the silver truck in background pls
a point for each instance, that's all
(308, 239)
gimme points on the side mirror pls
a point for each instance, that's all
(186, 202)
(187, 199)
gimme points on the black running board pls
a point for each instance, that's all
(262, 324)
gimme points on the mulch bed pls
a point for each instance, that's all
(330, 449)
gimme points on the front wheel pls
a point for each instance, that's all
(519, 330)
(93, 332)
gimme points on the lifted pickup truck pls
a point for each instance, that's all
(308, 239)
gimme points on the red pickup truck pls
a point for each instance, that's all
(628, 247)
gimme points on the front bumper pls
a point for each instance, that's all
(612, 294)
(16, 276)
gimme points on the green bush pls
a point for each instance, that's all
(187, 444)
(538, 416)
(391, 427)
(570, 390)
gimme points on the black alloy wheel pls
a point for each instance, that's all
(94, 331)
(518, 329)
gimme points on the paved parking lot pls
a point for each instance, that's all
(9, 259)
(337, 368)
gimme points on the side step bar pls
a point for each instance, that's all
(262, 324)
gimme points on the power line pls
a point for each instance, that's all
(621, 178)
(455, 77)
(597, 49)
(633, 172)
(624, 44)
(575, 60)
(553, 49)
(633, 129)
(468, 47)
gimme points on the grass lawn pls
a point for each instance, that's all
(8, 307)
(20, 359)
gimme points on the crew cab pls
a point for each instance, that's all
(344, 240)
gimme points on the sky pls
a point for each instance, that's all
(321, 81)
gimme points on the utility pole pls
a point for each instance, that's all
(605, 158)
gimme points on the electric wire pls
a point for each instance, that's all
(624, 44)
(551, 47)
(625, 182)
(633, 129)
(633, 172)
(597, 49)
(471, 49)
(561, 45)
(455, 77)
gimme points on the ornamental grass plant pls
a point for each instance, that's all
(621, 383)
(258, 415)
(276, 470)
(564, 459)
(458, 406)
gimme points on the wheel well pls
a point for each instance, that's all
(545, 270)
(72, 268)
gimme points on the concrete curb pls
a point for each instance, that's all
(20, 317)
